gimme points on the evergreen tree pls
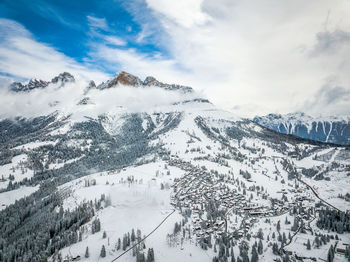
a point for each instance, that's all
(295, 224)
(103, 251)
(119, 244)
(260, 247)
(317, 241)
(125, 242)
(308, 245)
(255, 256)
(278, 225)
(150, 255)
(87, 252)
(275, 248)
(260, 234)
(284, 238)
(133, 235)
(286, 221)
(330, 255)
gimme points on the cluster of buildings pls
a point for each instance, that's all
(198, 188)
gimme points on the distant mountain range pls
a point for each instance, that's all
(87, 169)
(35, 83)
(122, 78)
(325, 129)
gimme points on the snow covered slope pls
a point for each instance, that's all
(326, 129)
(140, 172)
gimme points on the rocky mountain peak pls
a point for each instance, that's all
(64, 77)
(127, 79)
(122, 78)
(92, 84)
(151, 81)
(32, 84)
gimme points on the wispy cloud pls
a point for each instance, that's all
(66, 100)
(331, 42)
(97, 23)
(186, 13)
(23, 57)
(53, 13)
(330, 99)
(248, 53)
(114, 40)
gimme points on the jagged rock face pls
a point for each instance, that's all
(327, 129)
(151, 81)
(91, 84)
(63, 77)
(33, 83)
(122, 78)
(128, 79)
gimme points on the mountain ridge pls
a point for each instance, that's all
(333, 129)
(121, 78)
(63, 78)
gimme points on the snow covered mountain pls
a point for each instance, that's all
(35, 83)
(326, 129)
(134, 170)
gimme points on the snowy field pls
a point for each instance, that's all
(9, 197)
(141, 204)
(17, 168)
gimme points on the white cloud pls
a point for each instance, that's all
(39, 101)
(247, 52)
(115, 40)
(99, 23)
(66, 100)
(330, 99)
(183, 12)
(23, 57)
(140, 64)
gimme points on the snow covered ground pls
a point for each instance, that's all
(17, 168)
(257, 169)
(9, 197)
(138, 204)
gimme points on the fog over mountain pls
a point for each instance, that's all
(141, 170)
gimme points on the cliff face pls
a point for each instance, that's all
(326, 129)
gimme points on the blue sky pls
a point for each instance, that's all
(250, 57)
(71, 26)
